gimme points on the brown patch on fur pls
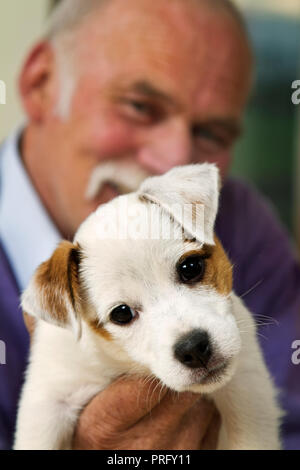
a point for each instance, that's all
(29, 323)
(99, 329)
(218, 269)
(58, 279)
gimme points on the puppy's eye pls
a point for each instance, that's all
(122, 315)
(191, 270)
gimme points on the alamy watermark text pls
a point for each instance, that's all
(2, 353)
(2, 92)
(296, 353)
(296, 93)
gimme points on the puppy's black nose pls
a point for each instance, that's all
(193, 349)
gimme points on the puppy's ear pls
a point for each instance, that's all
(190, 195)
(53, 292)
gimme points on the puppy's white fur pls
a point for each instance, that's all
(65, 372)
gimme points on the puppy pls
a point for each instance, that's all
(122, 299)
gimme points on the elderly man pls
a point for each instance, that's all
(154, 84)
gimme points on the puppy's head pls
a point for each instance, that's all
(156, 302)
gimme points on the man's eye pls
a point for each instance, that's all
(122, 315)
(210, 137)
(191, 270)
(140, 107)
(204, 133)
(143, 111)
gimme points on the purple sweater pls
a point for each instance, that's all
(266, 275)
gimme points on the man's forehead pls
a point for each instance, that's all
(166, 57)
(160, 38)
(158, 22)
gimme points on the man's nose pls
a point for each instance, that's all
(167, 145)
(194, 349)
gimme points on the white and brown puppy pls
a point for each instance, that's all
(145, 303)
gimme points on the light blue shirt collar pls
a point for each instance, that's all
(27, 233)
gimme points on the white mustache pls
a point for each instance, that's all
(126, 177)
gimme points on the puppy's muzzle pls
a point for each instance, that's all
(194, 349)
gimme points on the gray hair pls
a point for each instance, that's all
(69, 14)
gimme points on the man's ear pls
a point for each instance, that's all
(53, 293)
(190, 195)
(36, 82)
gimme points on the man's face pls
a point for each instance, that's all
(160, 84)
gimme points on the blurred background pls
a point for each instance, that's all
(268, 154)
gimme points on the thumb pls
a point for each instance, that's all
(126, 401)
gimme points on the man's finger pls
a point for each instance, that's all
(172, 407)
(196, 426)
(210, 440)
(125, 401)
(177, 424)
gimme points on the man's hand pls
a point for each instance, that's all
(133, 414)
